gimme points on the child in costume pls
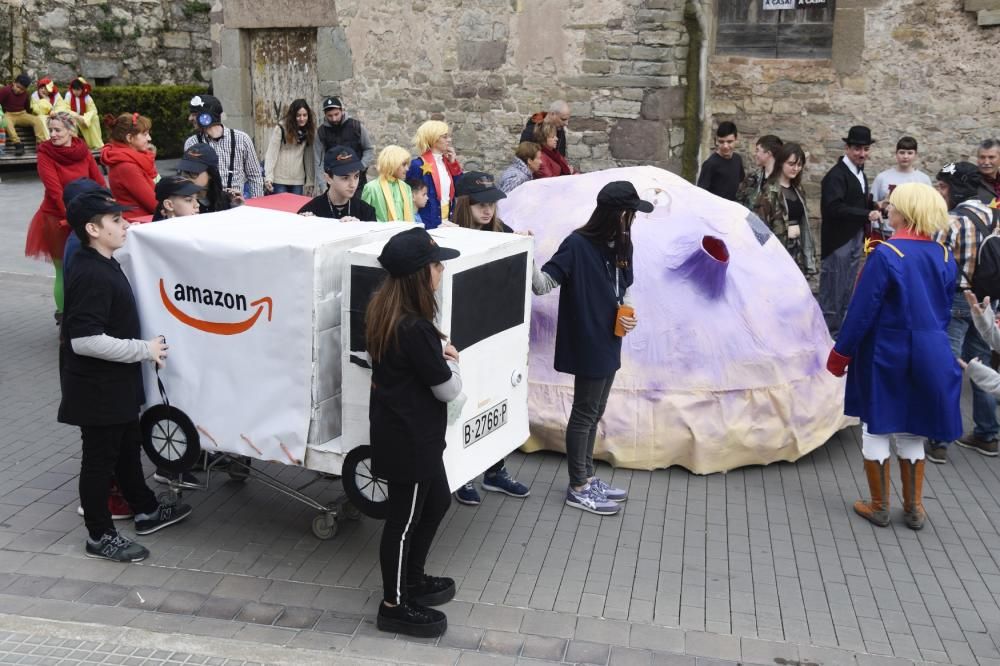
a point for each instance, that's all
(438, 167)
(903, 381)
(131, 161)
(81, 105)
(419, 190)
(390, 196)
(46, 98)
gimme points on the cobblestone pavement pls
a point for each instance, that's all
(764, 565)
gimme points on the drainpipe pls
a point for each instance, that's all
(696, 24)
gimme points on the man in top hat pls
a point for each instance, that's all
(847, 208)
(337, 129)
(238, 163)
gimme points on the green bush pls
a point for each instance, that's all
(166, 106)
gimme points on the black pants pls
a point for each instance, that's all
(590, 398)
(111, 451)
(415, 511)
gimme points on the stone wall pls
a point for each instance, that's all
(918, 67)
(117, 41)
(484, 67)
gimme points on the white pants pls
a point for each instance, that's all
(877, 447)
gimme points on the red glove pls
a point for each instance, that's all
(837, 363)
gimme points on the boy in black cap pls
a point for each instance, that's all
(101, 380)
(338, 129)
(342, 199)
(176, 196)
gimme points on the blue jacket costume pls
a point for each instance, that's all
(902, 376)
(424, 168)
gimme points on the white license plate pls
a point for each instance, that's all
(483, 424)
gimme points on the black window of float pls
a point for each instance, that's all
(487, 300)
(745, 27)
(364, 281)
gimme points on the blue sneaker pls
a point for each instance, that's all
(609, 492)
(467, 494)
(590, 500)
(502, 482)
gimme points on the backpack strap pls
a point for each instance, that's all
(232, 158)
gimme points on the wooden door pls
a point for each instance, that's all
(745, 28)
(284, 69)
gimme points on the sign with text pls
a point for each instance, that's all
(805, 4)
(779, 4)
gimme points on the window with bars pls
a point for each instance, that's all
(745, 27)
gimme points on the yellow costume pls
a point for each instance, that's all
(85, 111)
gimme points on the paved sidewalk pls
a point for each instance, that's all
(764, 565)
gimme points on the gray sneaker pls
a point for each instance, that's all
(590, 499)
(116, 548)
(609, 491)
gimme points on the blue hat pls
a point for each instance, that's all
(75, 188)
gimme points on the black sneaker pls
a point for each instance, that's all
(166, 514)
(116, 548)
(411, 619)
(431, 590)
(936, 453)
(182, 479)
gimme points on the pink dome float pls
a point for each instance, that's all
(728, 365)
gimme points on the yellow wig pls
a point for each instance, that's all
(921, 206)
(428, 134)
(390, 159)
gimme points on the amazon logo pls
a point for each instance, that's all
(218, 299)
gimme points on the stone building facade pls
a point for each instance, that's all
(110, 42)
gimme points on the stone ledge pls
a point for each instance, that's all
(980, 5)
(989, 17)
(619, 81)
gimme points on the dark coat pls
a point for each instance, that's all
(844, 206)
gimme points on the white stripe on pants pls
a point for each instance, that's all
(877, 447)
(402, 543)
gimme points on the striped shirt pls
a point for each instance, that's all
(963, 239)
(246, 166)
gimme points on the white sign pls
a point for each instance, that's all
(779, 4)
(811, 3)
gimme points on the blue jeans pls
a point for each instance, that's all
(278, 188)
(967, 344)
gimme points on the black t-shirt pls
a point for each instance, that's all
(407, 423)
(98, 300)
(321, 207)
(796, 211)
(722, 177)
(586, 344)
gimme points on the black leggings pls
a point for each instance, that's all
(111, 452)
(414, 512)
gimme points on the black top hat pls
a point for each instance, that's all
(411, 250)
(859, 135)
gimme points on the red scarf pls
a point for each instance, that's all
(556, 157)
(75, 152)
(77, 105)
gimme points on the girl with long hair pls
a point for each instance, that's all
(62, 159)
(131, 161)
(414, 375)
(782, 206)
(288, 161)
(476, 208)
(593, 265)
(390, 196)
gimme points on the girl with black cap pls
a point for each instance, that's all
(200, 164)
(414, 375)
(593, 265)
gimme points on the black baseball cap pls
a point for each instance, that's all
(332, 103)
(198, 158)
(95, 202)
(409, 251)
(341, 160)
(203, 103)
(621, 194)
(78, 186)
(175, 186)
(478, 186)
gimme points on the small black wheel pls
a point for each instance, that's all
(324, 526)
(169, 438)
(239, 468)
(367, 493)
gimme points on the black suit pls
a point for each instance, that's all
(844, 206)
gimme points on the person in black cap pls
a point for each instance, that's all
(176, 196)
(971, 222)
(101, 378)
(238, 161)
(200, 164)
(337, 129)
(593, 265)
(847, 208)
(414, 375)
(342, 200)
(476, 197)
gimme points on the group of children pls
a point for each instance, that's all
(21, 110)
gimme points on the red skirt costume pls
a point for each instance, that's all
(57, 165)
